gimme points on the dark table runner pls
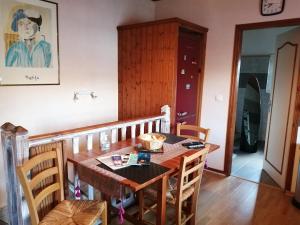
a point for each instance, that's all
(173, 139)
(138, 174)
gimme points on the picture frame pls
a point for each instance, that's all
(29, 48)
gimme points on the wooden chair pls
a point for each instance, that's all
(187, 188)
(66, 212)
(202, 133)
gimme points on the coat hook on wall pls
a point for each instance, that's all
(92, 94)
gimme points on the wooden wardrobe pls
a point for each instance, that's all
(161, 62)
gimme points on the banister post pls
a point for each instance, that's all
(166, 121)
(15, 150)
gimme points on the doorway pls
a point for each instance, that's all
(253, 103)
(246, 136)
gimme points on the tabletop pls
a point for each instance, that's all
(110, 184)
(89, 170)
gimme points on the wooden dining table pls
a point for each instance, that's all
(109, 183)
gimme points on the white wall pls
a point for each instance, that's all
(220, 17)
(88, 61)
(261, 41)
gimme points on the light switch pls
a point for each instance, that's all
(219, 98)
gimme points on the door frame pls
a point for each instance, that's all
(234, 93)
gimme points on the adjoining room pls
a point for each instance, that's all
(256, 80)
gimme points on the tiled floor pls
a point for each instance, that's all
(249, 166)
(3, 216)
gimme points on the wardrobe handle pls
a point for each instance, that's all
(180, 114)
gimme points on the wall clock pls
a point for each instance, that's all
(271, 7)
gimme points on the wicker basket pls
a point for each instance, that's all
(152, 141)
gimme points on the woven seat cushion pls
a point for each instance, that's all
(74, 213)
(171, 193)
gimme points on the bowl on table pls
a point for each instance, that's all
(152, 141)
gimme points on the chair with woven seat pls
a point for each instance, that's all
(67, 211)
(187, 188)
(202, 133)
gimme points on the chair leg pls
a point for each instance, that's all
(178, 213)
(193, 208)
(108, 207)
(104, 214)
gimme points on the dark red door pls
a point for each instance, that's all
(187, 77)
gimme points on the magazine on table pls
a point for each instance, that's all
(114, 161)
(121, 161)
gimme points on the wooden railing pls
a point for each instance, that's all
(147, 124)
(17, 147)
(111, 127)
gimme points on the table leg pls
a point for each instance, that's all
(141, 204)
(161, 201)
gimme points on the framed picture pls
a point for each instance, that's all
(28, 43)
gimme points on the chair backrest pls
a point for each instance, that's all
(30, 184)
(189, 179)
(202, 133)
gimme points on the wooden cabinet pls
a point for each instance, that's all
(161, 62)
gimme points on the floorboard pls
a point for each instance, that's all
(235, 201)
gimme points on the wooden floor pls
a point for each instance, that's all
(234, 201)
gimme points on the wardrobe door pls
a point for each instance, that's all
(188, 77)
(147, 65)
